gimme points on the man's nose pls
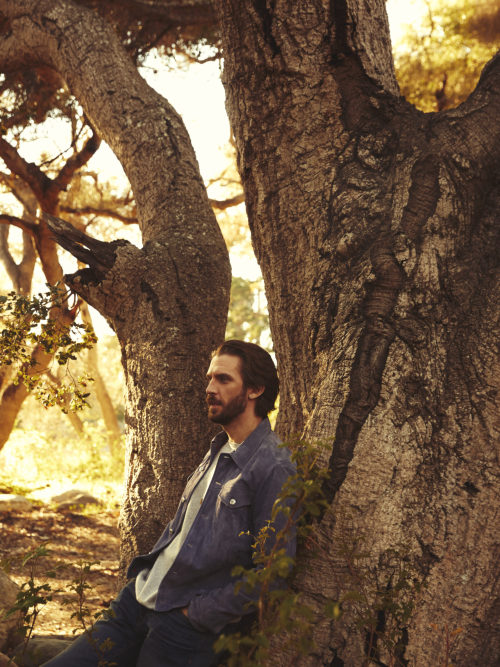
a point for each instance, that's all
(210, 388)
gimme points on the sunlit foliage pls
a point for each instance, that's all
(439, 62)
(31, 323)
(35, 457)
(248, 319)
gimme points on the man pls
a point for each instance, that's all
(182, 594)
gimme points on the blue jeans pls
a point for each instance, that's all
(134, 636)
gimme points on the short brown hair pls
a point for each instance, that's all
(257, 370)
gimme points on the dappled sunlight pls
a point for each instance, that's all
(44, 466)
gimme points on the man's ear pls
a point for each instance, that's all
(255, 392)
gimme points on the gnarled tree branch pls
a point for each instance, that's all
(99, 255)
(29, 172)
(20, 273)
(25, 225)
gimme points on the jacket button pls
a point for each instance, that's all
(232, 501)
(183, 499)
(171, 530)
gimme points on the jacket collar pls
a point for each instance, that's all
(248, 447)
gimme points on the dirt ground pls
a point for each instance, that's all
(72, 539)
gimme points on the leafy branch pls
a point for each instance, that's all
(38, 322)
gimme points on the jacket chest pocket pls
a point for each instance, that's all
(233, 522)
(234, 512)
(235, 495)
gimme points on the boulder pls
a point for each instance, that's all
(39, 650)
(9, 624)
(10, 501)
(74, 498)
(5, 661)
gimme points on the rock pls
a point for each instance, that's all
(5, 661)
(39, 650)
(9, 502)
(9, 625)
(74, 498)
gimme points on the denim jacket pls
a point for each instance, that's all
(238, 500)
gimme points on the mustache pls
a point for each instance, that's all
(211, 400)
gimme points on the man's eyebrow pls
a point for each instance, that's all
(220, 375)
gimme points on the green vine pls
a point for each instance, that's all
(35, 593)
(32, 596)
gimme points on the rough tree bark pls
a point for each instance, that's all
(375, 228)
(167, 301)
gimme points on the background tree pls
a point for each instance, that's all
(21, 275)
(248, 319)
(33, 187)
(438, 62)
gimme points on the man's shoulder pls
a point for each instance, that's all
(262, 454)
(272, 454)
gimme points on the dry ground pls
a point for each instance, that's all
(71, 539)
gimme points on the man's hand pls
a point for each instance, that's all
(184, 611)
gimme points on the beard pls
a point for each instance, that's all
(230, 411)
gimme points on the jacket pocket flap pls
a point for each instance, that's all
(235, 495)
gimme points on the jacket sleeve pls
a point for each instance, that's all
(215, 609)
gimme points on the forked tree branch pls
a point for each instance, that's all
(20, 273)
(21, 191)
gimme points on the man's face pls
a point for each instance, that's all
(227, 397)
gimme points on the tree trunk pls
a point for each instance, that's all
(167, 301)
(374, 228)
(20, 275)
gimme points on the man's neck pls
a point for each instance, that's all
(239, 431)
